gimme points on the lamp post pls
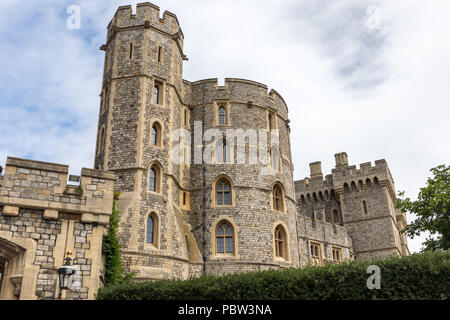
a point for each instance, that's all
(65, 274)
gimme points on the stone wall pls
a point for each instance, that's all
(44, 218)
(374, 232)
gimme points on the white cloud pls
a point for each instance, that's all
(379, 94)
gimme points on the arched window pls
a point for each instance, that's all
(320, 195)
(150, 230)
(277, 198)
(156, 134)
(222, 115)
(346, 189)
(224, 238)
(302, 199)
(156, 96)
(364, 207)
(308, 197)
(361, 186)
(280, 242)
(368, 182)
(314, 197)
(154, 178)
(223, 193)
(327, 196)
(375, 181)
(353, 186)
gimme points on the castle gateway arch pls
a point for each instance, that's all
(16, 274)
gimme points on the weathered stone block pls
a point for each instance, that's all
(11, 211)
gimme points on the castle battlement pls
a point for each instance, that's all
(146, 13)
(43, 185)
(237, 90)
(351, 177)
(345, 177)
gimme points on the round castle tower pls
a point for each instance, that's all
(184, 219)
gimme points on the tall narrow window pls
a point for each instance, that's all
(270, 122)
(156, 96)
(315, 254)
(150, 229)
(336, 216)
(223, 193)
(159, 53)
(152, 180)
(364, 205)
(280, 242)
(131, 50)
(154, 134)
(185, 117)
(222, 115)
(277, 198)
(224, 238)
(224, 152)
(101, 141)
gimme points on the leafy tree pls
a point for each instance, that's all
(114, 273)
(432, 209)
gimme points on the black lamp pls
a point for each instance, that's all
(66, 273)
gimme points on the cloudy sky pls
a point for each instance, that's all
(371, 78)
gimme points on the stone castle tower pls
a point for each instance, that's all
(185, 218)
(206, 181)
(351, 209)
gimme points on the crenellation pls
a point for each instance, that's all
(182, 220)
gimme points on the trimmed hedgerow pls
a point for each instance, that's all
(419, 276)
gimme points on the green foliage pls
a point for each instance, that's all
(432, 209)
(114, 273)
(419, 276)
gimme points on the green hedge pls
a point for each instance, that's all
(419, 276)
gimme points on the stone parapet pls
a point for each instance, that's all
(42, 185)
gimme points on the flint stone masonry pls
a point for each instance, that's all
(350, 211)
(181, 247)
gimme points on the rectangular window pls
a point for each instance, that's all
(337, 254)
(159, 53)
(220, 245)
(227, 198)
(271, 120)
(316, 256)
(229, 245)
(364, 204)
(131, 50)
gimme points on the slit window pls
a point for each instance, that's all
(364, 205)
(159, 53)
